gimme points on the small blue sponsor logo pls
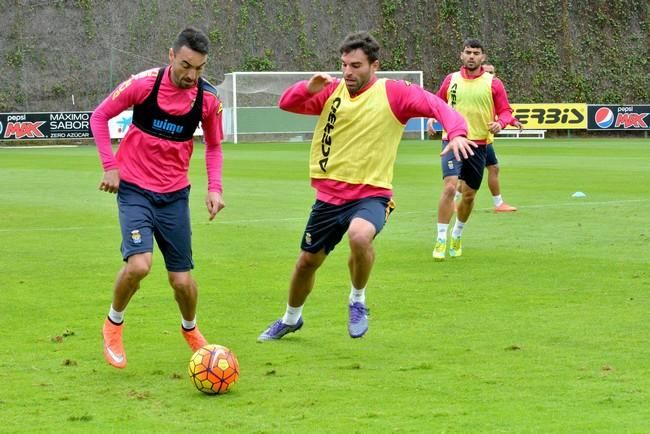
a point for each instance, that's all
(124, 123)
(167, 127)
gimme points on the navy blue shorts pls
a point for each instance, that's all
(328, 223)
(490, 156)
(145, 215)
(469, 170)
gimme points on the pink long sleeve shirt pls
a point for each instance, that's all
(406, 101)
(150, 162)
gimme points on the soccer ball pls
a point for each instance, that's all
(213, 369)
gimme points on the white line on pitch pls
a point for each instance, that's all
(304, 218)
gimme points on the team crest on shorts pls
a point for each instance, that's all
(308, 238)
(136, 237)
(450, 165)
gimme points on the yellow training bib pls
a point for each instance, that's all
(356, 139)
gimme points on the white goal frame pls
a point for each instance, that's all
(231, 94)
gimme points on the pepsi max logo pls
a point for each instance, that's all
(604, 117)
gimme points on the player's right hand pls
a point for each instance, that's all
(461, 147)
(318, 82)
(110, 181)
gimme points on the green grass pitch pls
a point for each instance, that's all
(542, 326)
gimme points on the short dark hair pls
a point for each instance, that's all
(193, 39)
(364, 41)
(473, 43)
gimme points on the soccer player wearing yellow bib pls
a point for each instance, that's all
(482, 100)
(491, 164)
(361, 121)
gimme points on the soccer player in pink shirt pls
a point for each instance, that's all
(492, 164)
(149, 173)
(360, 126)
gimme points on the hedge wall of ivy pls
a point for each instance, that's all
(545, 50)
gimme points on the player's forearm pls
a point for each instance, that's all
(444, 88)
(297, 99)
(502, 106)
(452, 121)
(214, 165)
(455, 126)
(411, 101)
(213, 134)
(99, 127)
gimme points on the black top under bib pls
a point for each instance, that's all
(150, 118)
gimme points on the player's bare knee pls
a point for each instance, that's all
(469, 195)
(449, 189)
(360, 240)
(308, 262)
(182, 283)
(137, 268)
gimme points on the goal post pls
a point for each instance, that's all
(251, 112)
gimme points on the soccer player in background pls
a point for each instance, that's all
(149, 173)
(492, 164)
(353, 150)
(482, 100)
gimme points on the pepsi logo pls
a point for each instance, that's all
(604, 117)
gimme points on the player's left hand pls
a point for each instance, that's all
(214, 203)
(460, 146)
(494, 127)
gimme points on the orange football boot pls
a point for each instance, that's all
(113, 348)
(194, 338)
(504, 207)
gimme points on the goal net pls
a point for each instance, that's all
(251, 112)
